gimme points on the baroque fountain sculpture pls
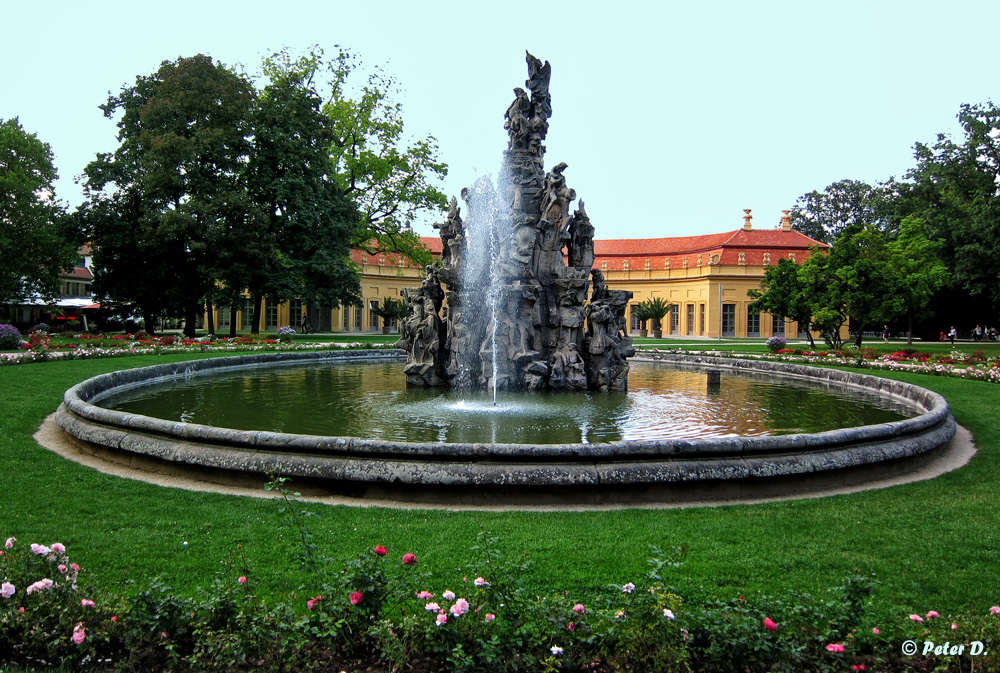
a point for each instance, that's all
(516, 273)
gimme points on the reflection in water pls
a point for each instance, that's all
(371, 400)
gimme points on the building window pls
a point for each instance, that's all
(295, 312)
(346, 310)
(271, 316)
(372, 316)
(675, 315)
(729, 320)
(777, 325)
(753, 324)
(690, 320)
(701, 320)
(357, 317)
(224, 316)
(247, 313)
(634, 323)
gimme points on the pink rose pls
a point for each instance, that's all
(932, 614)
(9, 542)
(432, 607)
(954, 627)
(409, 560)
(834, 647)
(916, 618)
(770, 625)
(79, 634)
(490, 616)
(242, 580)
(424, 595)
(875, 630)
(87, 603)
(448, 595)
(58, 548)
(480, 582)
(380, 551)
(62, 568)
(356, 597)
(39, 549)
(114, 618)
(571, 626)
(460, 607)
(441, 618)
(7, 590)
(579, 609)
(995, 610)
(74, 567)
(311, 603)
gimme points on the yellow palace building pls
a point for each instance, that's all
(706, 278)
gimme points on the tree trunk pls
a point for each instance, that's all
(149, 321)
(232, 321)
(210, 317)
(190, 320)
(255, 318)
(909, 328)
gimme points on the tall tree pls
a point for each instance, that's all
(918, 271)
(822, 216)
(36, 236)
(790, 298)
(955, 191)
(294, 237)
(391, 181)
(183, 136)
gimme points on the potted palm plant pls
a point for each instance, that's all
(641, 313)
(391, 309)
(654, 309)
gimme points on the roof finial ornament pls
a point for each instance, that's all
(786, 220)
(746, 219)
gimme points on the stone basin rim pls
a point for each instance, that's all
(89, 423)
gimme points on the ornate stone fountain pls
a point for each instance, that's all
(515, 275)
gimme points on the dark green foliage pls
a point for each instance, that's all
(37, 238)
(156, 203)
(823, 216)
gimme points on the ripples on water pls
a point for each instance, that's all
(371, 400)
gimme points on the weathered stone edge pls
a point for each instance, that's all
(371, 461)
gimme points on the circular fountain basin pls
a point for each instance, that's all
(614, 469)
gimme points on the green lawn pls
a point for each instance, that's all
(933, 545)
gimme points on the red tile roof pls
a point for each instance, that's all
(753, 244)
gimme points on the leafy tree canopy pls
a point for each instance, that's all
(954, 191)
(822, 216)
(156, 201)
(37, 241)
(390, 179)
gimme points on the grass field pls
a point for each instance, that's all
(933, 545)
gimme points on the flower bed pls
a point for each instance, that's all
(975, 366)
(383, 612)
(124, 345)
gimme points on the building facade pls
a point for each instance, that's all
(706, 278)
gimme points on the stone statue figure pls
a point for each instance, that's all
(452, 236)
(556, 199)
(517, 125)
(580, 250)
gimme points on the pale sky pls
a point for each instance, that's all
(673, 117)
